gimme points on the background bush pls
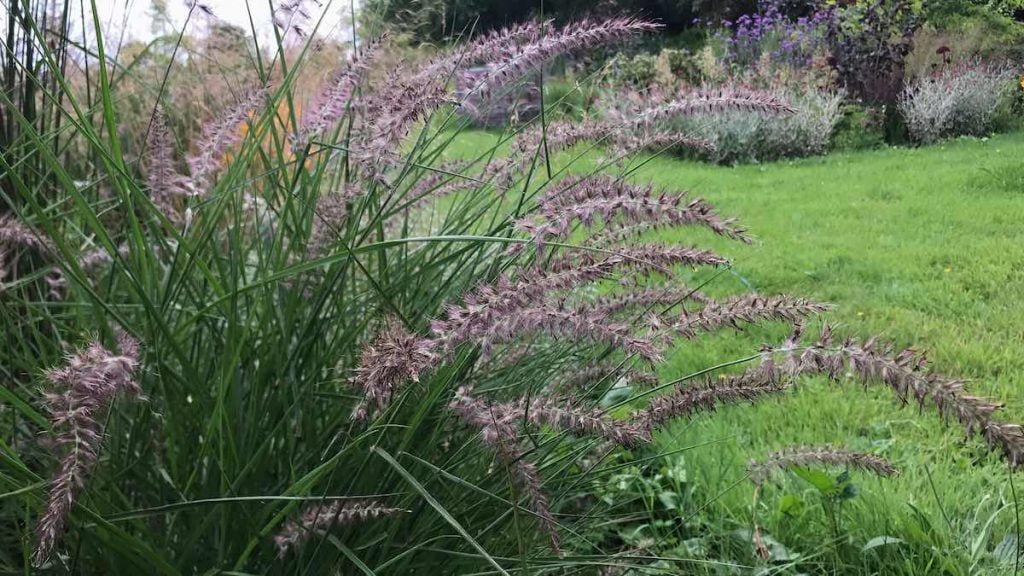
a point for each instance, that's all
(959, 100)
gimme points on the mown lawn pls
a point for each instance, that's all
(921, 247)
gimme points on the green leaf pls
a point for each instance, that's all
(820, 480)
(437, 506)
(791, 504)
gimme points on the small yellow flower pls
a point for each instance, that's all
(860, 313)
(948, 270)
(1022, 82)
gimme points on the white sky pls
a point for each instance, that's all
(133, 17)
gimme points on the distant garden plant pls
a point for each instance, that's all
(772, 34)
(959, 100)
(350, 352)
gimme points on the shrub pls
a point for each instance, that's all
(958, 100)
(859, 128)
(680, 67)
(637, 71)
(869, 43)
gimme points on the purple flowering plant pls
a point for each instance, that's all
(793, 41)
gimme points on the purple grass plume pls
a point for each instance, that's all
(506, 308)
(710, 102)
(905, 373)
(574, 38)
(336, 99)
(396, 356)
(81, 393)
(220, 135)
(167, 187)
(617, 203)
(601, 372)
(689, 401)
(14, 234)
(569, 416)
(748, 309)
(496, 45)
(805, 457)
(543, 141)
(317, 518)
(641, 298)
(328, 224)
(546, 318)
(497, 427)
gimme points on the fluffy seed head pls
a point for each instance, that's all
(318, 518)
(395, 357)
(803, 457)
(80, 393)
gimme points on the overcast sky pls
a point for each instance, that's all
(133, 17)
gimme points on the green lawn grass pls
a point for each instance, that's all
(923, 247)
(920, 247)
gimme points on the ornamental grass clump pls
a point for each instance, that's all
(360, 354)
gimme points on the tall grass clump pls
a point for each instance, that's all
(355, 353)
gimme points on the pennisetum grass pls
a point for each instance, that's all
(342, 316)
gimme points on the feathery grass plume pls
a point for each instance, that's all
(220, 135)
(395, 357)
(750, 309)
(15, 234)
(391, 114)
(531, 483)
(645, 258)
(657, 141)
(97, 257)
(329, 220)
(587, 422)
(589, 375)
(166, 185)
(558, 136)
(494, 45)
(317, 518)
(496, 424)
(1009, 438)
(710, 102)
(904, 373)
(293, 17)
(686, 402)
(646, 297)
(502, 301)
(82, 391)
(330, 106)
(804, 457)
(570, 39)
(487, 328)
(619, 203)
